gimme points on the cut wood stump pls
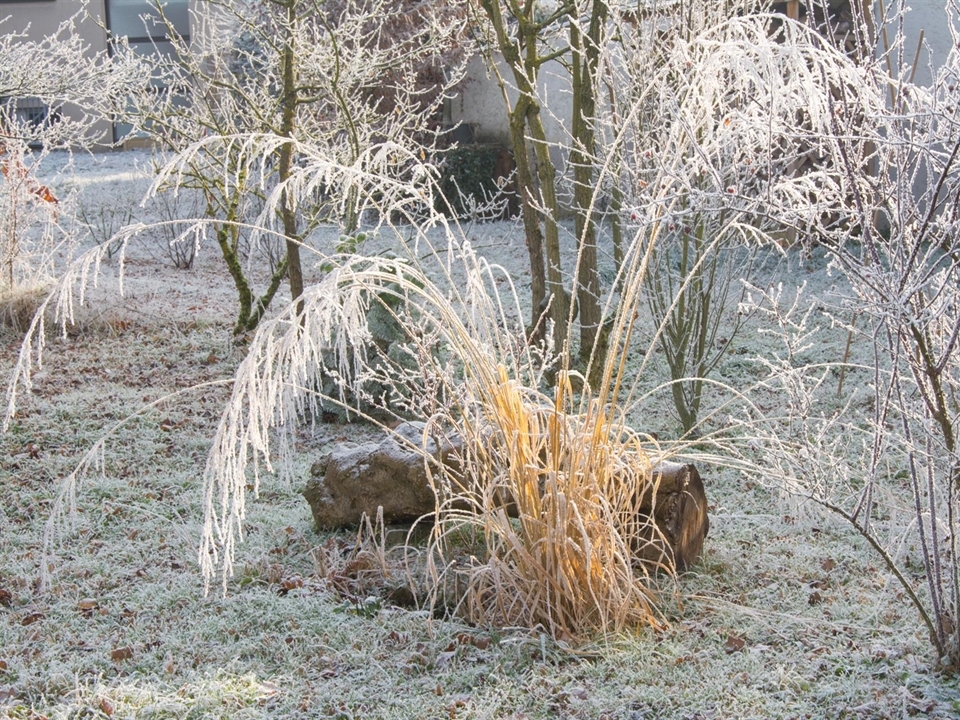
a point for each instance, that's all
(354, 480)
(679, 510)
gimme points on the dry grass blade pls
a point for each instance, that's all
(574, 485)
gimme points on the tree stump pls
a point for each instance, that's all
(354, 480)
(679, 510)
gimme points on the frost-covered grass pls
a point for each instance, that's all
(788, 615)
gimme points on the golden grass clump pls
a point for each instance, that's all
(557, 495)
(553, 483)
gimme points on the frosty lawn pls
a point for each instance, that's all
(788, 615)
(760, 275)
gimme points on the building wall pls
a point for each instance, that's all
(38, 19)
(481, 104)
(42, 18)
(931, 17)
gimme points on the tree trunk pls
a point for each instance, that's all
(547, 173)
(285, 162)
(524, 61)
(679, 510)
(586, 54)
(531, 224)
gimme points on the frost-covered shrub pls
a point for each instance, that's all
(887, 217)
(34, 245)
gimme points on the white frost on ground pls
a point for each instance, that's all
(788, 615)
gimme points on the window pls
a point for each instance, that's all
(29, 111)
(137, 21)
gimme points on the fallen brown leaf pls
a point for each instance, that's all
(290, 583)
(481, 643)
(31, 618)
(123, 653)
(733, 644)
(395, 638)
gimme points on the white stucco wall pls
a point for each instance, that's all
(38, 20)
(481, 103)
(931, 17)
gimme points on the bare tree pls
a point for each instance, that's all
(889, 188)
(290, 68)
(50, 73)
(521, 35)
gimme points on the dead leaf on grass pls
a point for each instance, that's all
(106, 707)
(815, 598)
(31, 618)
(460, 701)
(289, 583)
(87, 606)
(734, 644)
(6, 598)
(828, 564)
(395, 638)
(478, 641)
(120, 654)
(169, 425)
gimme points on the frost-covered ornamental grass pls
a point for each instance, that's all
(845, 395)
(790, 614)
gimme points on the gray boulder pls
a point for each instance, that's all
(391, 473)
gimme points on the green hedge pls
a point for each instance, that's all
(473, 169)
